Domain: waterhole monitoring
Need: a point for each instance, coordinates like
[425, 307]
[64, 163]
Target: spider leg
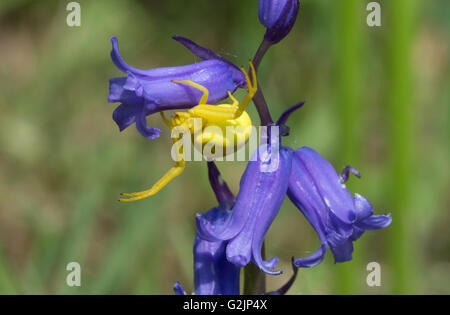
[213, 112]
[252, 88]
[205, 91]
[176, 170]
[235, 101]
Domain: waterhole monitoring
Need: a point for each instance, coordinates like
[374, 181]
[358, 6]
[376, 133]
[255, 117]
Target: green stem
[400, 108]
[254, 278]
[348, 84]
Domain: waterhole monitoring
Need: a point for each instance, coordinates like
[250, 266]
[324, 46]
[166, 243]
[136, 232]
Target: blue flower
[145, 92]
[213, 273]
[313, 186]
[321, 195]
[262, 191]
[278, 16]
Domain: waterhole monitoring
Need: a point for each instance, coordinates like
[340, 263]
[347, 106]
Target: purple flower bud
[145, 92]
[338, 217]
[278, 16]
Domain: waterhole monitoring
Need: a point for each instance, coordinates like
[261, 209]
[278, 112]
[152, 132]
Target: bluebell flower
[213, 273]
[207, 54]
[145, 92]
[321, 195]
[313, 186]
[278, 16]
[257, 204]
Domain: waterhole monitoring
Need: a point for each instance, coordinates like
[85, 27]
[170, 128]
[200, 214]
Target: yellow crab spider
[221, 116]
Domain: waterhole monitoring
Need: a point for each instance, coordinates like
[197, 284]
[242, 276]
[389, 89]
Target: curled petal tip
[272, 272]
[284, 117]
[347, 171]
[313, 260]
[178, 289]
[266, 266]
[285, 288]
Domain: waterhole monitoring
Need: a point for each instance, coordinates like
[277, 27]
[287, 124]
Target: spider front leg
[205, 91]
[252, 88]
[228, 111]
[176, 170]
[221, 112]
[224, 112]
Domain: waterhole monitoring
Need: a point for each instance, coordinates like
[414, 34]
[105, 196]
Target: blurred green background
[377, 98]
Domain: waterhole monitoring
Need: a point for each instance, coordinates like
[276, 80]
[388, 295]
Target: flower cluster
[231, 235]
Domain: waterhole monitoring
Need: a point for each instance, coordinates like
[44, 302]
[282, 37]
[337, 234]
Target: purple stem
[258, 99]
[219, 186]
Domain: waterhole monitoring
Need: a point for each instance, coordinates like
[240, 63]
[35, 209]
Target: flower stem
[219, 186]
[258, 99]
[254, 278]
[262, 49]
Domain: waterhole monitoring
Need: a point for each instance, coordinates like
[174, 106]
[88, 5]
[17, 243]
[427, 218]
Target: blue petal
[118, 93]
[213, 273]
[144, 129]
[357, 233]
[125, 115]
[304, 194]
[179, 289]
[312, 260]
[257, 204]
[335, 195]
[343, 252]
[206, 54]
[149, 74]
[363, 207]
[375, 222]
[239, 249]
[271, 198]
[343, 230]
[242, 209]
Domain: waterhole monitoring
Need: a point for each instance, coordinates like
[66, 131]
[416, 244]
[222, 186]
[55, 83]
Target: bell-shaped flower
[338, 217]
[213, 273]
[262, 190]
[145, 92]
[278, 16]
